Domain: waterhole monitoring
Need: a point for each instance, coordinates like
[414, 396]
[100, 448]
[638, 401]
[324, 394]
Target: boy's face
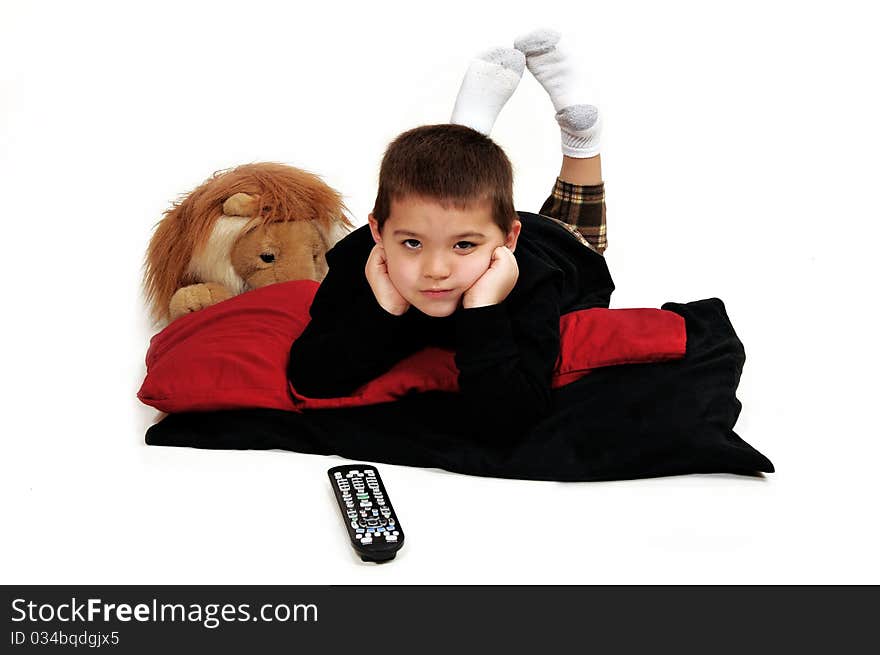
[435, 254]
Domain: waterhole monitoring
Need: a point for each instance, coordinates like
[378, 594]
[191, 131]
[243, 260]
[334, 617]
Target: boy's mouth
[436, 293]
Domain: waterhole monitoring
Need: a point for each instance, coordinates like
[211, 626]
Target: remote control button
[389, 537]
[366, 541]
[338, 474]
[359, 530]
[354, 524]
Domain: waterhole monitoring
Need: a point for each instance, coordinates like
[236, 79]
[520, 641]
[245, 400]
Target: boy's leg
[578, 201]
[583, 171]
[578, 197]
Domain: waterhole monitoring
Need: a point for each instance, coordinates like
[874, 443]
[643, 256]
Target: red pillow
[234, 355]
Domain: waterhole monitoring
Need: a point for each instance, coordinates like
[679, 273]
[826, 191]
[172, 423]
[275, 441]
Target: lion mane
[282, 193]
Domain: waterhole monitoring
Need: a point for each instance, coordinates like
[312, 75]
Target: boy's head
[445, 202]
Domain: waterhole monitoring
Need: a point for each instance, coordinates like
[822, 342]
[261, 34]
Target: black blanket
[619, 422]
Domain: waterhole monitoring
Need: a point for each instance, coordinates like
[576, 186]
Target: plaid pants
[580, 209]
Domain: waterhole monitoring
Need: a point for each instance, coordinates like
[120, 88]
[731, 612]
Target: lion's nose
[267, 257]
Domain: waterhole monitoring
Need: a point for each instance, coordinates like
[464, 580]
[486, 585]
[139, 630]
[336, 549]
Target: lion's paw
[195, 297]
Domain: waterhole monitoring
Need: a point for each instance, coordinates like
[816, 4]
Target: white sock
[548, 61]
[489, 82]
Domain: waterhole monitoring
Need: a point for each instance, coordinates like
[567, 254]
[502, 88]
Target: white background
[740, 157]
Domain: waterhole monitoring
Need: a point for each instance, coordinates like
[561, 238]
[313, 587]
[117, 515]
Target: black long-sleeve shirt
[505, 353]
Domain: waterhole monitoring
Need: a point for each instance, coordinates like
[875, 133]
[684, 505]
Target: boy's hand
[496, 283]
[386, 293]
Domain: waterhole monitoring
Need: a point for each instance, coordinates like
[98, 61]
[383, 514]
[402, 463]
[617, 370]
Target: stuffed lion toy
[243, 228]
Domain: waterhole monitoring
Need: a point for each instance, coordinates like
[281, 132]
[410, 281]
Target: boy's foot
[489, 82]
[580, 130]
[549, 62]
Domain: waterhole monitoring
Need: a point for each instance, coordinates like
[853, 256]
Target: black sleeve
[350, 339]
[506, 363]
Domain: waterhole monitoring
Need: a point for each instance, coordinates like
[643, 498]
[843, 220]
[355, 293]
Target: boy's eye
[465, 245]
[412, 244]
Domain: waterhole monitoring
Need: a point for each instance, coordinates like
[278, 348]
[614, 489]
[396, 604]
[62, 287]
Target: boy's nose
[436, 268]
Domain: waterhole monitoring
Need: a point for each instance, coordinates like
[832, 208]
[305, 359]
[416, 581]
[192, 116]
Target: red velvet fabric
[234, 355]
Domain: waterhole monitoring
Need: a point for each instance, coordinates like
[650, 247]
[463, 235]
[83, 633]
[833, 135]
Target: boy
[447, 261]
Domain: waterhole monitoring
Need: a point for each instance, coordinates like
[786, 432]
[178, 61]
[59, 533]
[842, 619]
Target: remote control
[372, 524]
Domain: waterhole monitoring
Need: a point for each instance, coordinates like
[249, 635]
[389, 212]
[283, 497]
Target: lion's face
[244, 228]
[280, 252]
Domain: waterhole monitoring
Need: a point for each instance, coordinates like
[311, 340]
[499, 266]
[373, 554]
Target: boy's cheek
[480, 268]
[399, 275]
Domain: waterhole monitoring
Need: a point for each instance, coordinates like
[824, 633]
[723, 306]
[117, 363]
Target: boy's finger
[501, 253]
[377, 256]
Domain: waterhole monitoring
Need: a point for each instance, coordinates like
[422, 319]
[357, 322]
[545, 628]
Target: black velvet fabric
[620, 422]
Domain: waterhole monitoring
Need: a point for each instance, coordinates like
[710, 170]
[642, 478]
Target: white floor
[740, 160]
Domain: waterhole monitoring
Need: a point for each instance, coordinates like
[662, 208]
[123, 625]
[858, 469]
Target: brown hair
[452, 164]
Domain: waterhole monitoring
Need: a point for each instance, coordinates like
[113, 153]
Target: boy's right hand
[386, 293]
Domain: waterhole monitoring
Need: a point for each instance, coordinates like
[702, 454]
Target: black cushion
[619, 422]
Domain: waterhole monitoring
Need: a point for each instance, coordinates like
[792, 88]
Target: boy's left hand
[496, 283]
